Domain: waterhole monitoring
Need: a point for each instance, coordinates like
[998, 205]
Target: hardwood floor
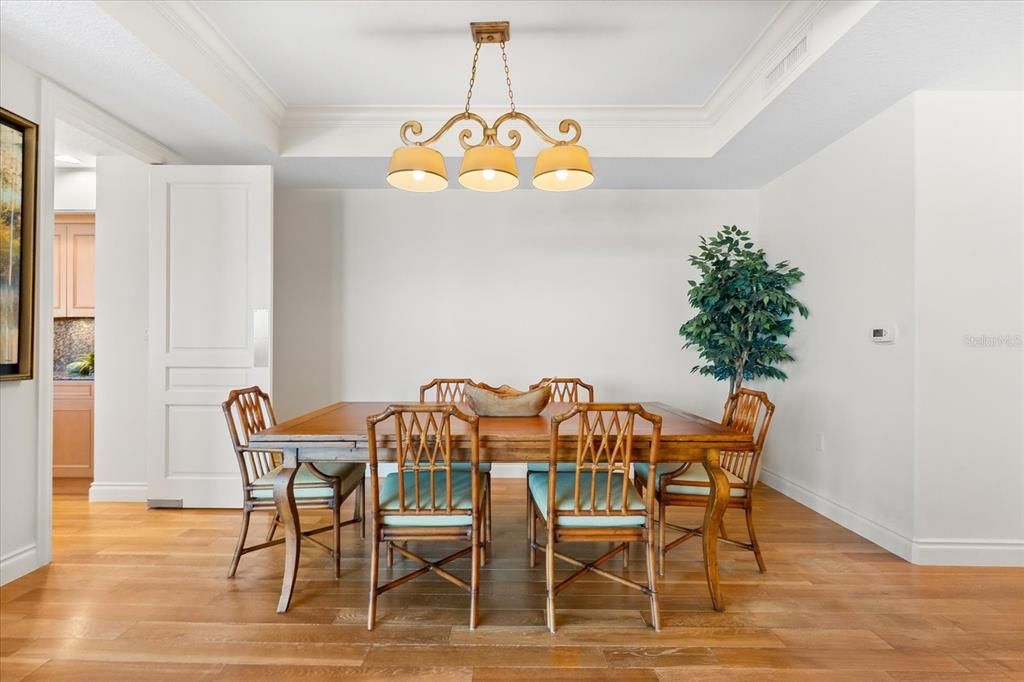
[141, 595]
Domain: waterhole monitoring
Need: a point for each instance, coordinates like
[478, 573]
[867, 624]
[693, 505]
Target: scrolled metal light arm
[489, 133]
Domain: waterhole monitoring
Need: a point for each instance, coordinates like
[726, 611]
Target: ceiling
[560, 53]
[670, 94]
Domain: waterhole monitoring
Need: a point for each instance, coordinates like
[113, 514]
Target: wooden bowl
[505, 401]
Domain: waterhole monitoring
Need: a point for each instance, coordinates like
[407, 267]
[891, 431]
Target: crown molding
[695, 131]
[595, 116]
[184, 36]
[179, 36]
[204, 34]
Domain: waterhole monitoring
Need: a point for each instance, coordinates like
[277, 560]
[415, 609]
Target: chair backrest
[248, 410]
[604, 445]
[423, 445]
[445, 391]
[749, 412]
[566, 389]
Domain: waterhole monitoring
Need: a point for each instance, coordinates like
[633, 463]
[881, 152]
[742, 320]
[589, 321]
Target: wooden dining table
[337, 433]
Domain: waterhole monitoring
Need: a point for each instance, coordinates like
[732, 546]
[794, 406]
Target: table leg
[718, 500]
[288, 512]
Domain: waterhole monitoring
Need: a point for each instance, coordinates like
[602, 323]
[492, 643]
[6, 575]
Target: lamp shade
[489, 169]
[417, 169]
[563, 168]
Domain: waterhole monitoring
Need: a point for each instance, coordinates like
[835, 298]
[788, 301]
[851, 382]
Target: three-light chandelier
[490, 165]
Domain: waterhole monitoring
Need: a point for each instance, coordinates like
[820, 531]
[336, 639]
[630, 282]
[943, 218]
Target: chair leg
[625, 556]
[662, 525]
[336, 513]
[652, 582]
[374, 572]
[529, 507]
[273, 526]
[489, 538]
[390, 555]
[484, 525]
[531, 531]
[474, 578]
[549, 574]
[753, 538]
[359, 510]
[241, 543]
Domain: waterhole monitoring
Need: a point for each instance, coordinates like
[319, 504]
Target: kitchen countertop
[65, 376]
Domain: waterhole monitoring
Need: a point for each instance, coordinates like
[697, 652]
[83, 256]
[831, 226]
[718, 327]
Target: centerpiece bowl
[505, 401]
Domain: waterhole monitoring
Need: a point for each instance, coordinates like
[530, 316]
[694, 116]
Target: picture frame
[19, 151]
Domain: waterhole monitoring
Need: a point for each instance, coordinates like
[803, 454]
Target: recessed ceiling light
[67, 158]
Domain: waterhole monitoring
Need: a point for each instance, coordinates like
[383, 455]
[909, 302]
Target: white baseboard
[118, 492]
[508, 470]
[18, 563]
[955, 552]
[884, 537]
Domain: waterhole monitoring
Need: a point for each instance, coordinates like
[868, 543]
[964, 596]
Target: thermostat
[884, 334]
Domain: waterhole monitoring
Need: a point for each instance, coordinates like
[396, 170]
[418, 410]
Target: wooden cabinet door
[81, 274]
[72, 429]
[60, 250]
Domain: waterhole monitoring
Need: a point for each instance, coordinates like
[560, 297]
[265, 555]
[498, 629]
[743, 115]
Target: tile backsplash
[72, 337]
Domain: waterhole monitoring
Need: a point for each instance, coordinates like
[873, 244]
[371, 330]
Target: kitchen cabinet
[74, 254]
[72, 429]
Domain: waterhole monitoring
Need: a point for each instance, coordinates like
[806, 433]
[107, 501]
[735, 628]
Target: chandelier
[490, 165]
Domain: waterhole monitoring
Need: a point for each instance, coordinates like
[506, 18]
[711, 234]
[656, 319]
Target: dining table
[337, 433]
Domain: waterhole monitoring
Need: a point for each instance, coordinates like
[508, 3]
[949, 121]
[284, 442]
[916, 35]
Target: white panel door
[210, 294]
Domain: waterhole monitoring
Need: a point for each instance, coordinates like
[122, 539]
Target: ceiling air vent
[785, 65]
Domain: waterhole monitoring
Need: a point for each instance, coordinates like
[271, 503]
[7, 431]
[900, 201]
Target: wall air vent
[785, 66]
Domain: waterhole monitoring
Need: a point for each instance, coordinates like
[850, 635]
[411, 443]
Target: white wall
[970, 307]
[122, 316]
[846, 217]
[915, 219]
[379, 291]
[74, 189]
[20, 544]
[305, 364]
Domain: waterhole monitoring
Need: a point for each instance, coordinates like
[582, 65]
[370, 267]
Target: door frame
[57, 103]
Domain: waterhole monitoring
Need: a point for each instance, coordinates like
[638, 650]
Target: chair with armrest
[325, 486]
[747, 411]
[426, 499]
[596, 501]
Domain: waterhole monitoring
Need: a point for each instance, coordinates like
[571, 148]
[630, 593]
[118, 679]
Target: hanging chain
[508, 78]
[472, 77]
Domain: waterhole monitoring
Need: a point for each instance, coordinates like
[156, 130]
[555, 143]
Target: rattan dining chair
[327, 486]
[566, 389]
[444, 391]
[596, 502]
[746, 411]
[426, 499]
[454, 391]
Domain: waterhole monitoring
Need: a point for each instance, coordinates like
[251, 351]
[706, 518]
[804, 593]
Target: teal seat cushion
[695, 473]
[307, 485]
[565, 483]
[542, 467]
[462, 494]
[485, 467]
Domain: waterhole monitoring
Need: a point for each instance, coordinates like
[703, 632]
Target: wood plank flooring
[135, 595]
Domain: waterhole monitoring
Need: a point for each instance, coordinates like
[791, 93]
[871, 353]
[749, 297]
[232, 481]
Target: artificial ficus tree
[744, 310]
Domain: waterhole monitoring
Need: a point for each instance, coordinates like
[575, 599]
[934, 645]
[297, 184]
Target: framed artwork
[18, 146]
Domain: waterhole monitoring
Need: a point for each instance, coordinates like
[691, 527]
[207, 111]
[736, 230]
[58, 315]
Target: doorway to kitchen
[74, 309]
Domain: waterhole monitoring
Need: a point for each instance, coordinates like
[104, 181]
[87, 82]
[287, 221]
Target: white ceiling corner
[191, 21]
